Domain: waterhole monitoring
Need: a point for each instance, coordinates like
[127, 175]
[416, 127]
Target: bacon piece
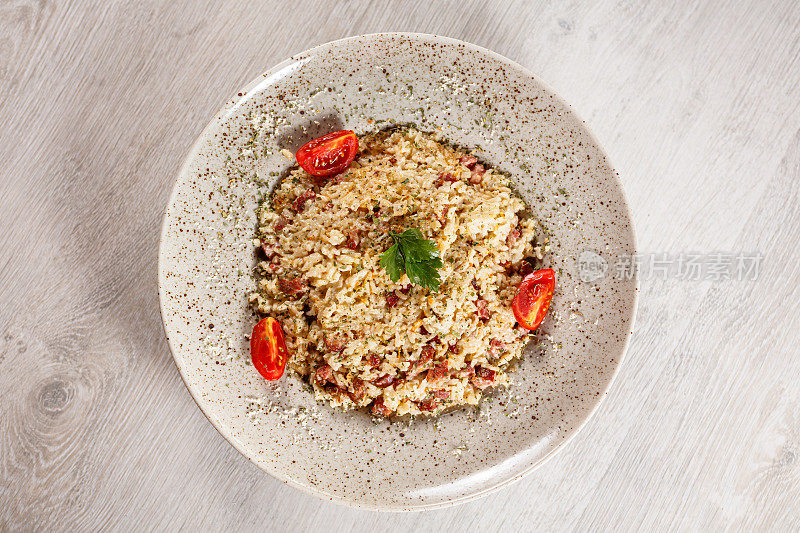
[429, 404]
[445, 177]
[423, 331]
[323, 374]
[507, 266]
[333, 390]
[292, 285]
[483, 309]
[378, 409]
[280, 223]
[468, 161]
[483, 378]
[438, 372]
[383, 381]
[525, 268]
[406, 289]
[421, 364]
[496, 347]
[485, 373]
[353, 239]
[374, 360]
[442, 394]
[453, 348]
[477, 174]
[359, 389]
[466, 372]
[393, 160]
[269, 250]
[513, 237]
[335, 343]
[391, 299]
[300, 201]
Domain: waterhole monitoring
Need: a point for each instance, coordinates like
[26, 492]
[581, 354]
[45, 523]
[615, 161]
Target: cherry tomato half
[329, 154]
[533, 299]
[268, 349]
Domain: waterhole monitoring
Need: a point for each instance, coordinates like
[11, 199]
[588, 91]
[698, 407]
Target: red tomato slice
[533, 299]
[268, 349]
[329, 154]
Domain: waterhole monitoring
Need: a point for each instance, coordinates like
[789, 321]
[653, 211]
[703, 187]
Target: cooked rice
[319, 276]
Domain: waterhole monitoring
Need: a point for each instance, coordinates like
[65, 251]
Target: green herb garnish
[415, 256]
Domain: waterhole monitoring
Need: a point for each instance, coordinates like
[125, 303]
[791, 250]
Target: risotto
[359, 338]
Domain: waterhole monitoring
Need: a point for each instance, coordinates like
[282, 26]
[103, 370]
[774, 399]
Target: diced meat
[353, 239]
[292, 285]
[323, 374]
[406, 289]
[423, 331]
[438, 372]
[483, 378]
[468, 161]
[507, 266]
[359, 389]
[428, 404]
[383, 381]
[513, 237]
[496, 347]
[477, 174]
[333, 390]
[418, 366]
[442, 394]
[483, 309]
[445, 177]
[391, 299]
[485, 373]
[268, 250]
[466, 372]
[525, 269]
[335, 343]
[300, 201]
[280, 223]
[378, 409]
[374, 360]
[453, 348]
[393, 160]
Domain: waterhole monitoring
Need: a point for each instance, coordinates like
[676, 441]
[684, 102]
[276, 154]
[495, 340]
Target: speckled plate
[478, 99]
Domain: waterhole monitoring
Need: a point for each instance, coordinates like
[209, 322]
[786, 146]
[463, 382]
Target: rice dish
[361, 340]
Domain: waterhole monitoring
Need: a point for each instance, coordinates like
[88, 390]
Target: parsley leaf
[423, 274]
[392, 261]
[414, 255]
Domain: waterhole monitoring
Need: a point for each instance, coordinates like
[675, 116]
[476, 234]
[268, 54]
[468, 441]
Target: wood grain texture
[698, 106]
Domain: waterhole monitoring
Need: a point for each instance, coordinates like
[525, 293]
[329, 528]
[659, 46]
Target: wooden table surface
[698, 106]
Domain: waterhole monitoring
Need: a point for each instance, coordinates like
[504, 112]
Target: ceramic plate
[477, 99]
